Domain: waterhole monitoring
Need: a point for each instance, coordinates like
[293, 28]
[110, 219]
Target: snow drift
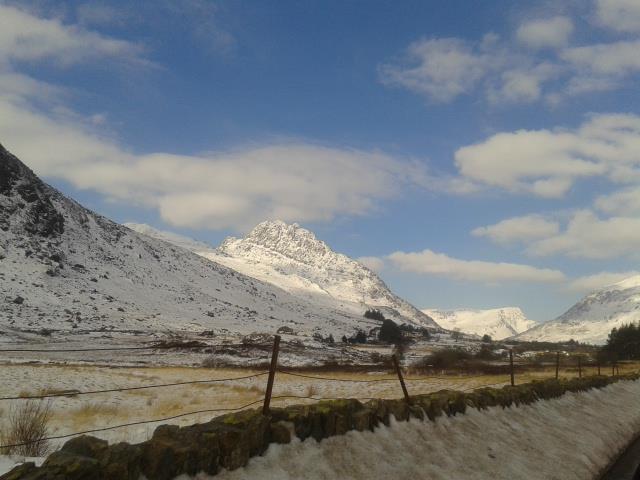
[572, 437]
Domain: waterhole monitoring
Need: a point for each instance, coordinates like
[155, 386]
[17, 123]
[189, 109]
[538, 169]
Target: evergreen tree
[390, 332]
[623, 343]
[374, 314]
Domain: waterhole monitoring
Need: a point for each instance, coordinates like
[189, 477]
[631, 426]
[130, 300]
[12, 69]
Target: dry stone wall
[229, 441]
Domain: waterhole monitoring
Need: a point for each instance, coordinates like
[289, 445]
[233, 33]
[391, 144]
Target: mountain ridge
[591, 319]
[498, 323]
[292, 258]
[67, 269]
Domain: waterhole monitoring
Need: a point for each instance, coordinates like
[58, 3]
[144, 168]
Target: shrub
[210, 361]
[28, 424]
[486, 338]
[359, 337]
[446, 358]
[329, 340]
[486, 353]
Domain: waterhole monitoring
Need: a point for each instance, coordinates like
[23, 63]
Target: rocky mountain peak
[291, 258]
[290, 240]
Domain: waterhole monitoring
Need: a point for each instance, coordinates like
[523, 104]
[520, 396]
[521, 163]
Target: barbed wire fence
[268, 396]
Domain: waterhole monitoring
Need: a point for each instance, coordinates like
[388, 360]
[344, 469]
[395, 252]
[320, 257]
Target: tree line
[623, 343]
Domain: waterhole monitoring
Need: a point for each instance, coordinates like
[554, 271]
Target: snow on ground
[78, 413]
[572, 437]
[7, 462]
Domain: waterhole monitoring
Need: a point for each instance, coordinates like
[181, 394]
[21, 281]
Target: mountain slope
[498, 323]
[63, 267]
[592, 318]
[293, 259]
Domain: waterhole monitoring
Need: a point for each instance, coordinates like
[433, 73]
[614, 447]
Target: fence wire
[174, 417]
[314, 398]
[119, 349]
[74, 393]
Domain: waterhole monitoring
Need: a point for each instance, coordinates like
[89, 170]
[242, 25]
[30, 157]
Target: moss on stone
[231, 440]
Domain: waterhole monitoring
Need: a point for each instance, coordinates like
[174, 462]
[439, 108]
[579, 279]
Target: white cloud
[518, 229]
[17, 87]
[581, 84]
[587, 236]
[524, 71]
[293, 181]
[625, 202]
[375, 264]
[523, 85]
[621, 15]
[431, 263]
[589, 283]
[617, 58]
[441, 69]
[27, 38]
[546, 33]
[547, 162]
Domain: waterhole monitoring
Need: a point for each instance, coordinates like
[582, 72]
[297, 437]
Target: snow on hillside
[572, 437]
[592, 318]
[65, 268]
[293, 259]
[498, 323]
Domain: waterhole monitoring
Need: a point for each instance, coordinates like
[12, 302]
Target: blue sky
[477, 156]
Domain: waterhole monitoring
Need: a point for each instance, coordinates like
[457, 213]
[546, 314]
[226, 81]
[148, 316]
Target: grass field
[84, 412]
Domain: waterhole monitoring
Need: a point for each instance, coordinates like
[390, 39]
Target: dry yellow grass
[311, 391]
[90, 413]
[78, 413]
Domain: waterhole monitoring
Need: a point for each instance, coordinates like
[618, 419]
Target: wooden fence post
[613, 368]
[579, 366]
[272, 374]
[511, 367]
[557, 364]
[399, 372]
[598, 363]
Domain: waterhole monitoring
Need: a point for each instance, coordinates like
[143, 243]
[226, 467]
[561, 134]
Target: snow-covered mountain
[592, 318]
[63, 267]
[293, 259]
[498, 323]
